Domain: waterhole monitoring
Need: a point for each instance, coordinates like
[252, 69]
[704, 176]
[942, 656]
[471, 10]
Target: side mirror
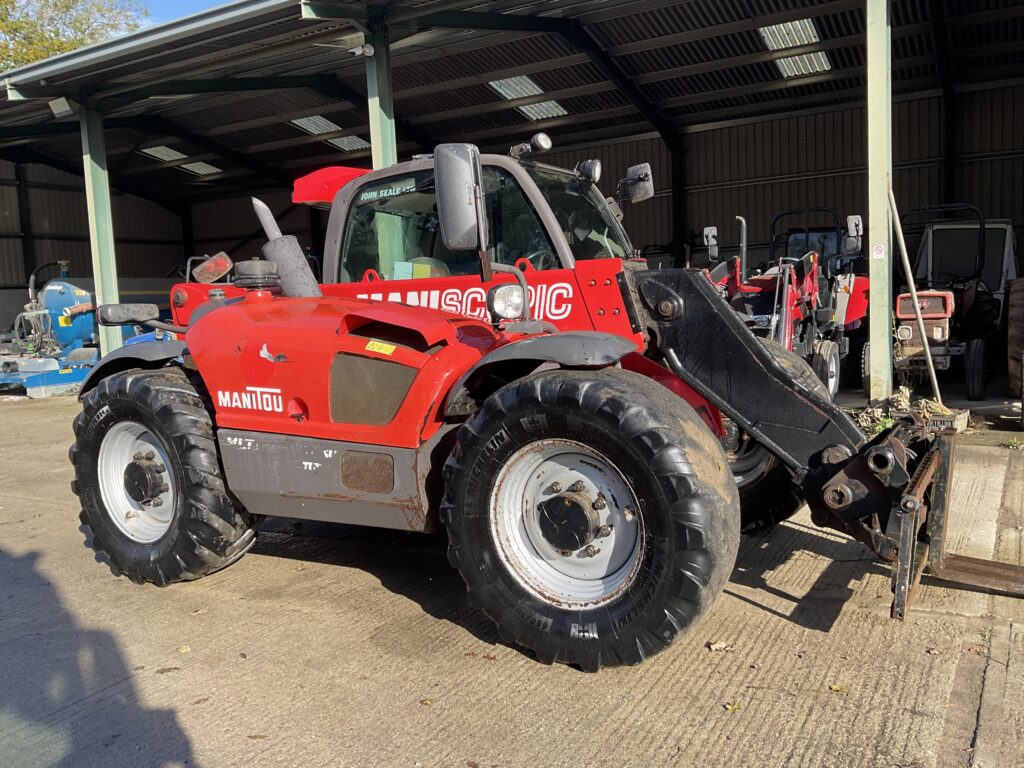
[640, 182]
[854, 233]
[711, 241]
[458, 180]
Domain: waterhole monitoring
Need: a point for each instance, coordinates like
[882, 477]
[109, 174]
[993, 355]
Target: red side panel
[857, 308]
[321, 186]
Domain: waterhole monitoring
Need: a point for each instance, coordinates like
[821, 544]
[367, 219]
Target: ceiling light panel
[200, 169]
[315, 124]
[163, 153]
[349, 143]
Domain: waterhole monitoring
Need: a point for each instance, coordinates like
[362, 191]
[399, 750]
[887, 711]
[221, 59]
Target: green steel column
[101, 223]
[879, 246]
[381, 104]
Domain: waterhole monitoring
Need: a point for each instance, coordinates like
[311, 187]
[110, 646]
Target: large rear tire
[1015, 336]
[148, 476]
[591, 514]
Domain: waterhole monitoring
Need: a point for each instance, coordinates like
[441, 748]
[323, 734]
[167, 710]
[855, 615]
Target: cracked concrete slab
[340, 646]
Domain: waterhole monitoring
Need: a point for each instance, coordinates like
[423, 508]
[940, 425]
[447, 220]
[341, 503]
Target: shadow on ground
[415, 566]
[67, 698]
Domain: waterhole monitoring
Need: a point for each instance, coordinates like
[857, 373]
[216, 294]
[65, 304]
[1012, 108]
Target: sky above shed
[168, 10]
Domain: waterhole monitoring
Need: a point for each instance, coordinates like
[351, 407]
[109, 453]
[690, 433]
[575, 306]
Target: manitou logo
[252, 399]
[547, 302]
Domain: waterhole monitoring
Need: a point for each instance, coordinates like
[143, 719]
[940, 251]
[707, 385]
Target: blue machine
[55, 340]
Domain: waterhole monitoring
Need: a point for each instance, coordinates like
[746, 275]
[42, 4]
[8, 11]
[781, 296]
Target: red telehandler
[577, 468]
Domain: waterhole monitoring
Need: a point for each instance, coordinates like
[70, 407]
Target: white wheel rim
[833, 371]
[585, 578]
[143, 523]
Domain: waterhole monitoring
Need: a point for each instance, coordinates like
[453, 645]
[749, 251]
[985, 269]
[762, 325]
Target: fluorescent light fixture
[520, 87]
[790, 34]
[807, 64]
[201, 169]
[164, 153]
[315, 124]
[543, 110]
[349, 143]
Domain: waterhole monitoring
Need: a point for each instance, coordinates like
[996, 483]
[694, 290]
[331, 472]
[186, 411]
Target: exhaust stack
[296, 277]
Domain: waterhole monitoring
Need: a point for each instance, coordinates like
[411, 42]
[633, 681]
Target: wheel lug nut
[164, 488]
[565, 552]
[604, 530]
[131, 514]
[600, 503]
[158, 502]
[577, 486]
[160, 468]
[137, 457]
[591, 550]
[556, 487]
[150, 455]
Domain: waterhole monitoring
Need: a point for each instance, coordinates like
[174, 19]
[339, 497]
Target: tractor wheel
[1015, 336]
[825, 364]
[148, 476]
[974, 369]
[768, 494]
[591, 514]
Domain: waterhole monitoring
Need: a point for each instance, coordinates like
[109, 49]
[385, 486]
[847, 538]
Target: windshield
[582, 214]
[955, 255]
[825, 242]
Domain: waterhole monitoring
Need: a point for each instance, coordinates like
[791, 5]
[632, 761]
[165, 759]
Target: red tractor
[807, 296]
[484, 355]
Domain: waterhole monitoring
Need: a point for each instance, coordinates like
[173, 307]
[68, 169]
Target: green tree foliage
[31, 30]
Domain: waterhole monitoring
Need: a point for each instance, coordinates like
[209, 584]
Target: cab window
[393, 228]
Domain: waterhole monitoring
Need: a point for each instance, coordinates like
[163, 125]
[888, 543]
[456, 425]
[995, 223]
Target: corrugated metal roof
[694, 60]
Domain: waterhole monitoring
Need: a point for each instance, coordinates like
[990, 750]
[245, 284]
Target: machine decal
[252, 399]
[380, 347]
[547, 302]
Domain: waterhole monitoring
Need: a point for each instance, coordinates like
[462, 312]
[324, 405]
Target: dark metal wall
[753, 168]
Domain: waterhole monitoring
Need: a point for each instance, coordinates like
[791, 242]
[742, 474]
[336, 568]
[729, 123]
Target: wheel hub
[568, 521]
[144, 478]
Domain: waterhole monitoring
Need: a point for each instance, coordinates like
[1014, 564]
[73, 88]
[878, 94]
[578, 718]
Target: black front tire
[825, 364]
[975, 369]
[207, 530]
[688, 508]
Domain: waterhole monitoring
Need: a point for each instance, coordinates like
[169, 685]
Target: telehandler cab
[523, 382]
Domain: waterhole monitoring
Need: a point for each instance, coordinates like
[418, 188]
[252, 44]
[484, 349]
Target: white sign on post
[878, 251]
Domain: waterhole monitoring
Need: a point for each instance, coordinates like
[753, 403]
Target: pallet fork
[920, 529]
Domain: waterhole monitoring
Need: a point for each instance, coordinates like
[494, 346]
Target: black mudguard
[573, 349]
[145, 354]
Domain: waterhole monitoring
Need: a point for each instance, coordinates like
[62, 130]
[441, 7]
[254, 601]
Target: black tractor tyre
[773, 497]
[204, 530]
[687, 514]
[825, 364]
[975, 370]
[1015, 337]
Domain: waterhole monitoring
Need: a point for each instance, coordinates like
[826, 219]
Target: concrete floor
[336, 646]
